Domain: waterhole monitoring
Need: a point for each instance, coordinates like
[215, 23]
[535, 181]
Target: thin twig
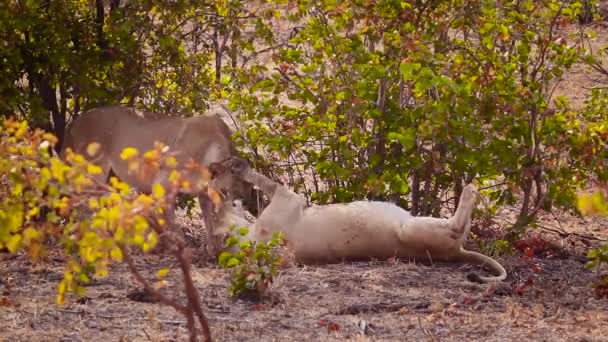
[148, 288]
[146, 333]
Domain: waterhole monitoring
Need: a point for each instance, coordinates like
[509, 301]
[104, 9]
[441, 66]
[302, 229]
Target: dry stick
[154, 292]
[185, 310]
[178, 248]
[191, 292]
[148, 336]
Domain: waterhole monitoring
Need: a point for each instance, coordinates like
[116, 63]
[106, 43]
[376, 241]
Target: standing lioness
[205, 139]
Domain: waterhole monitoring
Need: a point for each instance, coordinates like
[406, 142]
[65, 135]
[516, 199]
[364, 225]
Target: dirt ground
[543, 299]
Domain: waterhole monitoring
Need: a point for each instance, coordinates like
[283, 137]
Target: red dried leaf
[535, 268]
[333, 327]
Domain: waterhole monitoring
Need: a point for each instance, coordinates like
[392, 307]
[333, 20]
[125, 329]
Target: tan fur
[363, 229]
[205, 139]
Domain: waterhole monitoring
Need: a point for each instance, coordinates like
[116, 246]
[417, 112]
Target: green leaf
[223, 258]
[232, 262]
[232, 240]
[407, 70]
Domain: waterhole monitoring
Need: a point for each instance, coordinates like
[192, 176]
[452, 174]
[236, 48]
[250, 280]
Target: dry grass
[390, 300]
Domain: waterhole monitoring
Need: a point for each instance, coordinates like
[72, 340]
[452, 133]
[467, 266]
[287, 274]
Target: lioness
[364, 229]
[204, 139]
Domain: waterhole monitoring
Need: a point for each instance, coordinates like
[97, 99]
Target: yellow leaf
[61, 292]
[93, 148]
[585, 204]
[21, 130]
[151, 155]
[160, 284]
[140, 224]
[116, 254]
[186, 185]
[77, 159]
[119, 235]
[89, 239]
[152, 239]
[120, 186]
[13, 243]
[87, 253]
[50, 138]
[18, 189]
[58, 170]
[93, 169]
[74, 268]
[158, 190]
[162, 272]
[138, 240]
[82, 277]
[174, 176]
[171, 162]
[128, 153]
[33, 212]
[30, 234]
[93, 203]
[45, 173]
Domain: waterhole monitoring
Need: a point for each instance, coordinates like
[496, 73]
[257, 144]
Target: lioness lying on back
[363, 229]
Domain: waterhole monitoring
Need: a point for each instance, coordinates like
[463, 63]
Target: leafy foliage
[96, 223]
[66, 56]
[253, 265]
[409, 100]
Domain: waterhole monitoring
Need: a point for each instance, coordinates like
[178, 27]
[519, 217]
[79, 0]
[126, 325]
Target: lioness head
[226, 176]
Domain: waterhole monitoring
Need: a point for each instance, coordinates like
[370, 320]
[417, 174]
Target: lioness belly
[351, 231]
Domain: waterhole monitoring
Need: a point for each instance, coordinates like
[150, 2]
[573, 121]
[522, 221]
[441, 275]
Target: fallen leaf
[333, 327]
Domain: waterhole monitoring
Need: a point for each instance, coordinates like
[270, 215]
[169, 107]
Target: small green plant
[497, 248]
[253, 265]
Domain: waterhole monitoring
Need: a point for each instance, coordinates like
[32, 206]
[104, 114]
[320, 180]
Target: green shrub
[409, 100]
[253, 265]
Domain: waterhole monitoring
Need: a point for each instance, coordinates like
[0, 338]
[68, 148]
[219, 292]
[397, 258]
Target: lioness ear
[234, 165]
[238, 165]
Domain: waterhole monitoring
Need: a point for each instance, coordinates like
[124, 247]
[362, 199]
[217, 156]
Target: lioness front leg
[213, 242]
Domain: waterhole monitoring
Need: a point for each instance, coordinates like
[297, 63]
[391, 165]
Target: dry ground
[364, 301]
